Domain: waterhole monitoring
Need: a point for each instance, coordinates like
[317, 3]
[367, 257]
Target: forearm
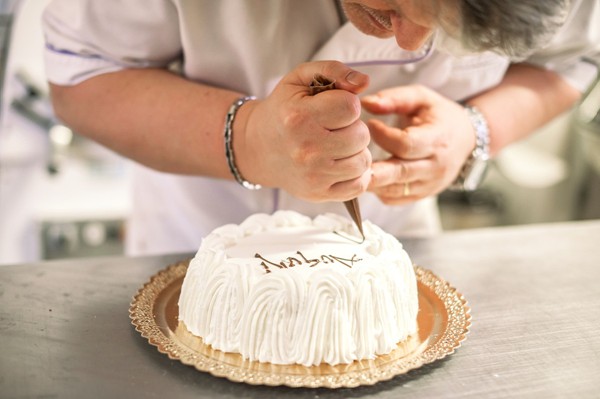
[151, 116]
[526, 99]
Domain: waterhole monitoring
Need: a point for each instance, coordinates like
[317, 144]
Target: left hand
[427, 153]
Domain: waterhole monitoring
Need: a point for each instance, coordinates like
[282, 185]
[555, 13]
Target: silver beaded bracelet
[228, 133]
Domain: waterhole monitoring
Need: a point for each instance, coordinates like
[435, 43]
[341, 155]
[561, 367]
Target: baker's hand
[428, 150]
[314, 147]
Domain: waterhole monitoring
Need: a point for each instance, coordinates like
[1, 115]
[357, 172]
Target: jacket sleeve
[85, 38]
[570, 50]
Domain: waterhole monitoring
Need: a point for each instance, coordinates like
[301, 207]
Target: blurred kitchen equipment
[7, 11]
[587, 125]
[73, 239]
[80, 207]
[551, 176]
[589, 132]
[34, 105]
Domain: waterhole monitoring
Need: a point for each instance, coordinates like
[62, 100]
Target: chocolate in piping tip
[320, 83]
[354, 210]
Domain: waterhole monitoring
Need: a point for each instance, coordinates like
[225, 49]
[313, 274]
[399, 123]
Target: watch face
[475, 174]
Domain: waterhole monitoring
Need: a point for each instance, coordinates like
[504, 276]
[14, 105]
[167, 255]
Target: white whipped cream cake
[288, 289]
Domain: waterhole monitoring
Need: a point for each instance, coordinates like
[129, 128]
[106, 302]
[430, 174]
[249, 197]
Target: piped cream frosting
[285, 289]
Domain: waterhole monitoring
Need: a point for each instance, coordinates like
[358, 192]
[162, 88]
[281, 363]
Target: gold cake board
[443, 322]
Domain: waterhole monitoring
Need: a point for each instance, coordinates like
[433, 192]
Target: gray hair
[514, 28]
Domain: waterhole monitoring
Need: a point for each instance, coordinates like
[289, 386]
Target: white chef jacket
[248, 46]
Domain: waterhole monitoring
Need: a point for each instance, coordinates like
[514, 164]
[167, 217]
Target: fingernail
[371, 99]
[354, 78]
[381, 101]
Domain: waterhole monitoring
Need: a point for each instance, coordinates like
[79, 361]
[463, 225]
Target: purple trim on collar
[68, 52]
[420, 58]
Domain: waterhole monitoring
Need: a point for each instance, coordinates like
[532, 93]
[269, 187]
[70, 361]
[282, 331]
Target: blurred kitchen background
[64, 196]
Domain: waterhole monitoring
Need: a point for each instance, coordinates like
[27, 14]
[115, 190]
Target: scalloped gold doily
[443, 323]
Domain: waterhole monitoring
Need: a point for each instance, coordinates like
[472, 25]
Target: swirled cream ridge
[285, 289]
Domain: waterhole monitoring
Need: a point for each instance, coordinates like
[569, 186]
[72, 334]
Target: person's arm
[527, 98]
[315, 147]
[108, 68]
[429, 153]
[152, 116]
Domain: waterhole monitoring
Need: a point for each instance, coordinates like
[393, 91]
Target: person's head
[511, 27]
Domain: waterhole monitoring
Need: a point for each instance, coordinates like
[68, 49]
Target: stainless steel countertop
[534, 292]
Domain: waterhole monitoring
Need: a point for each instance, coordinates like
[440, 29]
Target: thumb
[344, 77]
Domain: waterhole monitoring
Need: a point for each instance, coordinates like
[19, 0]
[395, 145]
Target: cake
[288, 289]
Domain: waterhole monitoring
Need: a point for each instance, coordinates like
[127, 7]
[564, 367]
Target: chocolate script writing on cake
[302, 260]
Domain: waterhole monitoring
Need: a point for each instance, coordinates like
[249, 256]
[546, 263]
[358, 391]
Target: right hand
[314, 147]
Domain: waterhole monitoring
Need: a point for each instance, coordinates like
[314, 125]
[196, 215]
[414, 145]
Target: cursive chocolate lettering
[313, 262]
[290, 261]
[347, 262]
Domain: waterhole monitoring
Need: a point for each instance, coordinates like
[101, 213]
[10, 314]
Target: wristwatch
[473, 171]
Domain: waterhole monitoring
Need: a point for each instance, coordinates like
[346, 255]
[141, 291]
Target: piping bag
[321, 83]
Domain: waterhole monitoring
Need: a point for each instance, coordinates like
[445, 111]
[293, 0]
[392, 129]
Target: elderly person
[202, 93]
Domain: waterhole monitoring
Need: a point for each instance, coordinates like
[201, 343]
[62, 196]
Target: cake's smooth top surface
[304, 246]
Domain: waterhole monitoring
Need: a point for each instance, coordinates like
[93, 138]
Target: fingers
[324, 149]
[400, 100]
[341, 179]
[413, 142]
[400, 194]
[332, 109]
[427, 150]
[314, 146]
[348, 189]
[346, 142]
[397, 181]
[421, 138]
[398, 171]
[353, 167]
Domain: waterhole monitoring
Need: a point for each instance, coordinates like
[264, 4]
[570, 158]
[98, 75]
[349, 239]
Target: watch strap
[474, 168]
